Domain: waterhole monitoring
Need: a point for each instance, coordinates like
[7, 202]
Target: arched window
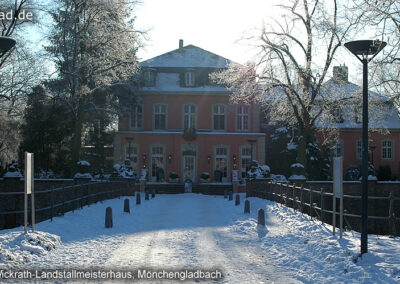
[221, 160]
[157, 160]
[132, 154]
[245, 160]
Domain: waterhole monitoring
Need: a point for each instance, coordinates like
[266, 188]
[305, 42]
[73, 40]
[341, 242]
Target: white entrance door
[189, 167]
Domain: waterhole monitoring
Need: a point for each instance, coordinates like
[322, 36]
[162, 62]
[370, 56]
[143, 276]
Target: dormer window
[358, 114]
[189, 78]
[150, 77]
[337, 115]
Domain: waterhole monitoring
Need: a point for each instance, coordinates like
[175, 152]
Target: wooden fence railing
[57, 201]
[319, 203]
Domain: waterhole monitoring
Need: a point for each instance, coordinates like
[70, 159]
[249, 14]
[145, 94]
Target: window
[245, 160]
[189, 78]
[337, 115]
[160, 116]
[137, 117]
[242, 118]
[337, 148]
[157, 163]
[189, 116]
[131, 154]
[218, 117]
[150, 77]
[358, 114]
[358, 149]
[387, 149]
[221, 161]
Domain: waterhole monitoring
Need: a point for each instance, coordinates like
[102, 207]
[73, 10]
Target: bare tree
[382, 17]
[297, 50]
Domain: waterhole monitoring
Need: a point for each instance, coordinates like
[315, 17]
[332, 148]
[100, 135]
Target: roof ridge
[203, 58]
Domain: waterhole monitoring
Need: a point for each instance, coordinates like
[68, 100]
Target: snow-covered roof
[380, 117]
[189, 56]
[332, 89]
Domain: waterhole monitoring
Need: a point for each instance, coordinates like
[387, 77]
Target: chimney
[180, 43]
[341, 74]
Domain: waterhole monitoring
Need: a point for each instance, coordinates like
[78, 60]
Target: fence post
[52, 203]
[280, 193]
[294, 202]
[63, 200]
[286, 195]
[301, 199]
[88, 195]
[392, 217]
[311, 201]
[322, 204]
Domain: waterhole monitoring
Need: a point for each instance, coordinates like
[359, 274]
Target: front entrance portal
[189, 167]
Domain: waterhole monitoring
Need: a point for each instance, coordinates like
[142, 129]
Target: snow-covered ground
[193, 231]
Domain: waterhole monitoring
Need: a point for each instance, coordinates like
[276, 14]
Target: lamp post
[365, 51]
[6, 43]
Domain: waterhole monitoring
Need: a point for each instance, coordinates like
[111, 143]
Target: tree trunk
[76, 143]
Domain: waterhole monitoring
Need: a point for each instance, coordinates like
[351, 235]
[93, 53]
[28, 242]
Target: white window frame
[359, 149]
[358, 114]
[225, 174]
[190, 78]
[337, 114]
[134, 154]
[243, 118]
[385, 148]
[334, 147]
[150, 77]
[219, 113]
[155, 113]
[136, 117]
[191, 116]
[243, 157]
[157, 155]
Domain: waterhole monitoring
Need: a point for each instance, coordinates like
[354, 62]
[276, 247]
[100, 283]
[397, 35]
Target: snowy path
[194, 231]
[198, 239]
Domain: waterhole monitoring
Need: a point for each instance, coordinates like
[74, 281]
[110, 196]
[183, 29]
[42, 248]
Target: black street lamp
[365, 51]
[6, 43]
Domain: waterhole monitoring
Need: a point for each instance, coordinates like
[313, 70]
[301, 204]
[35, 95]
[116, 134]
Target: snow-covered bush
[297, 170]
[173, 177]
[43, 174]
[257, 171]
[352, 173]
[205, 177]
[83, 170]
[13, 171]
[278, 178]
[122, 170]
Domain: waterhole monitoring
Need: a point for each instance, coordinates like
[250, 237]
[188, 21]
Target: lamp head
[365, 48]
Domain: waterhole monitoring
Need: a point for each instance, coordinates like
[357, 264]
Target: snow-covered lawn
[193, 231]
